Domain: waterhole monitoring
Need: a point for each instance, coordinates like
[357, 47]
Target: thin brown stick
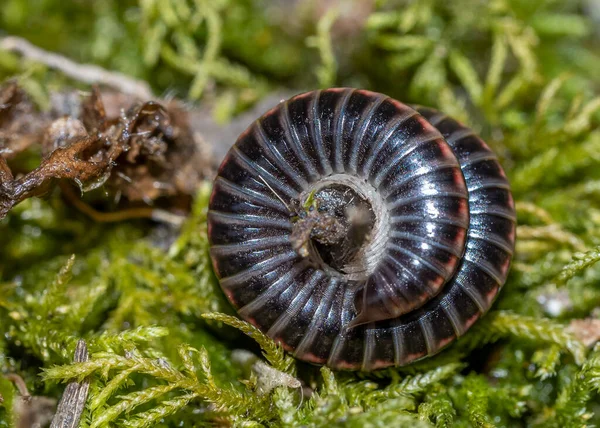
[87, 73]
[30, 411]
[20, 384]
[71, 405]
[123, 215]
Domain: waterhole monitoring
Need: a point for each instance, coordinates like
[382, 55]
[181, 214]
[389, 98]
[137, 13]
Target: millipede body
[360, 232]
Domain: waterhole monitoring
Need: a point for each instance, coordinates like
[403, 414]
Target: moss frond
[417, 384]
[438, 408]
[503, 323]
[272, 351]
[170, 389]
[7, 394]
[326, 73]
[572, 403]
[547, 361]
[477, 401]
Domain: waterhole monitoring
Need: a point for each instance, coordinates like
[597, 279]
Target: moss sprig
[572, 403]
[273, 352]
[171, 389]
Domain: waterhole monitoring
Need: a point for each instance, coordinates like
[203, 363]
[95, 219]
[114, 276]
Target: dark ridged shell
[447, 254]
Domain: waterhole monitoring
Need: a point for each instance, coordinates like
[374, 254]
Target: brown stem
[71, 405]
[123, 215]
[86, 73]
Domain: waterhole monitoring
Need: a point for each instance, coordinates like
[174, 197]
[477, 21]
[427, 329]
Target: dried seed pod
[360, 232]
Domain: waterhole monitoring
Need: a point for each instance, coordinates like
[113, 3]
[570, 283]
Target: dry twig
[71, 405]
[86, 73]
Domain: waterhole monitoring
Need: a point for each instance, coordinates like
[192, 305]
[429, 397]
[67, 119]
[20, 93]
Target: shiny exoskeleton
[434, 253]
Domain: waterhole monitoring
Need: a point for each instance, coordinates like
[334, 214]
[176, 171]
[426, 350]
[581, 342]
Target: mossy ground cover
[525, 74]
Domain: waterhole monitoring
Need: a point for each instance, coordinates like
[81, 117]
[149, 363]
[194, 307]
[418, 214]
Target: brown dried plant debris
[30, 411]
[71, 405]
[17, 129]
[146, 154]
[587, 330]
[87, 73]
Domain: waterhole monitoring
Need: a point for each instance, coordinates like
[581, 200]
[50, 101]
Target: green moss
[524, 74]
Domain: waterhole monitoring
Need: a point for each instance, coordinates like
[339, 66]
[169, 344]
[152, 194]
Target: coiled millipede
[359, 232]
